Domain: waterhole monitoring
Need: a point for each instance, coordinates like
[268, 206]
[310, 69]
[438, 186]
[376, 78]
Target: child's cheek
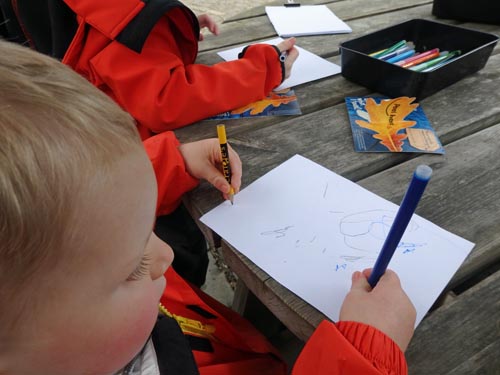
[136, 328]
[132, 327]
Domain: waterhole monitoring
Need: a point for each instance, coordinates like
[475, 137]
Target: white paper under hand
[308, 66]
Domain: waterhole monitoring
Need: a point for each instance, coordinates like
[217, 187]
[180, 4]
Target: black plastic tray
[393, 80]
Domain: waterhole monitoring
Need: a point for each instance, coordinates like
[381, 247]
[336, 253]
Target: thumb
[290, 42]
[360, 282]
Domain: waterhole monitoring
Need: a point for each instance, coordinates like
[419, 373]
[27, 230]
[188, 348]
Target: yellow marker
[224, 150]
[378, 52]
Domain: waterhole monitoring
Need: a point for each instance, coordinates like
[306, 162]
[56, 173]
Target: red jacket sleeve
[172, 178]
[163, 92]
[350, 348]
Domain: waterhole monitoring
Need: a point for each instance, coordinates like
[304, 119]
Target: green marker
[396, 46]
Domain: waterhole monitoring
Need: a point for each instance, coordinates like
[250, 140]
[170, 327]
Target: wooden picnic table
[461, 334]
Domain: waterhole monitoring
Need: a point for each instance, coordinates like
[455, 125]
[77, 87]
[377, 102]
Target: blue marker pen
[401, 56]
[283, 56]
[394, 53]
[419, 181]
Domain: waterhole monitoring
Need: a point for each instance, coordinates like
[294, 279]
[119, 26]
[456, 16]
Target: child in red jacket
[142, 54]
[81, 272]
[156, 79]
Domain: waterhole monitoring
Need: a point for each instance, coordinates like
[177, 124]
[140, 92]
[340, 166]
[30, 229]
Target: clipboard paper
[305, 20]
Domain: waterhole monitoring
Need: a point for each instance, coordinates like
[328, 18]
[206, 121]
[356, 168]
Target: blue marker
[283, 56]
[401, 56]
[395, 53]
[419, 181]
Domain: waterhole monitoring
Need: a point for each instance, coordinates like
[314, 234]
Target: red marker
[419, 58]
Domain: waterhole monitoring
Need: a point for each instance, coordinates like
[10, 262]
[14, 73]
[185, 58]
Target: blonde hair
[57, 132]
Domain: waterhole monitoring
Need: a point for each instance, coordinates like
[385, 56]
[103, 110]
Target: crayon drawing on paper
[310, 229]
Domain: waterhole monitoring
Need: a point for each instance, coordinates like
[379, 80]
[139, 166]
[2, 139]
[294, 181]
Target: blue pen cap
[423, 172]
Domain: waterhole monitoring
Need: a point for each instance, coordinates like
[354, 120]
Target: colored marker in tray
[404, 54]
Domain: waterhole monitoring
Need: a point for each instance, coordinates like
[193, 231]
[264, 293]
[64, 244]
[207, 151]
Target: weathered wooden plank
[260, 10]
[473, 164]
[361, 16]
[312, 97]
[485, 362]
[328, 45]
[459, 336]
[273, 146]
[263, 146]
[325, 136]
[468, 170]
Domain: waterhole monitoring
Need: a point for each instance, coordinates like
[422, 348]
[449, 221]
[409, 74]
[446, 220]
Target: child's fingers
[236, 169]
[293, 54]
[214, 29]
[286, 45]
[216, 178]
[206, 21]
[360, 282]
[390, 278]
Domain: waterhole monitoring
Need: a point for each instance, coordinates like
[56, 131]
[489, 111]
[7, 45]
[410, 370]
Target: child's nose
[162, 257]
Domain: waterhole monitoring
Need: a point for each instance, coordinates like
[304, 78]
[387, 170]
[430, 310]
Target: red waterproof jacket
[171, 175]
[142, 54]
[226, 344]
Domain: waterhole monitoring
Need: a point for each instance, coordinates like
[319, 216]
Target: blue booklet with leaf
[277, 103]
[381, 124]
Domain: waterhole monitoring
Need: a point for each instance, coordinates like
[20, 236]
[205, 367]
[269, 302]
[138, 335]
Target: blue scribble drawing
[351, 258]
[362, 232]
[366, 231]
[277, 233]
[409, 247]
[340, 266]
[325, 191]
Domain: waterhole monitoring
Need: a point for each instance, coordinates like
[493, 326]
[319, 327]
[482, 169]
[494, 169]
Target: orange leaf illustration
[387, 119]
[258, 107]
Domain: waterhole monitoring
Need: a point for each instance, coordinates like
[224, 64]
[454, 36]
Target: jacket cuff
[273, 65]
[375, 346]
[349, 348]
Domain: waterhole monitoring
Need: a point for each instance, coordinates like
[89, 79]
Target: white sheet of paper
[310, 229]
[305, 20]
[308, 66]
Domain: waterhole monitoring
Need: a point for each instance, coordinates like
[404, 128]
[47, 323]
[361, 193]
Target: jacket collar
[109, 20]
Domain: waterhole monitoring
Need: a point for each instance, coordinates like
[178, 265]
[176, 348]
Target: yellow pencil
[226, 167]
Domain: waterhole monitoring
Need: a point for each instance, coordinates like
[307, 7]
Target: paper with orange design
[382, 124]
[277, 103]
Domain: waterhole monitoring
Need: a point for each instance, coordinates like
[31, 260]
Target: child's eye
[141, 270]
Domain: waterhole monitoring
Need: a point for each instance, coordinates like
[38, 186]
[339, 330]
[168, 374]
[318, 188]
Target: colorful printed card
[277, 103]
[381, 124]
